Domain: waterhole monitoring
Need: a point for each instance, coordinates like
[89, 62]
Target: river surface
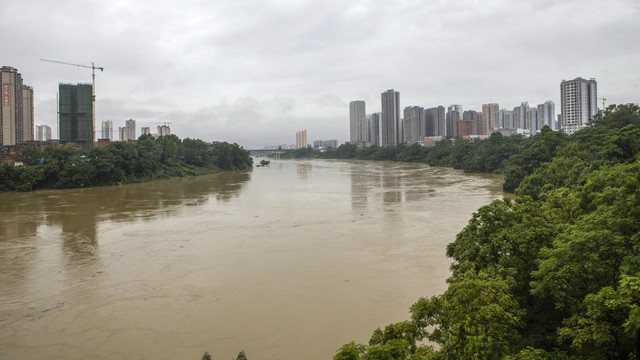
[287, 262]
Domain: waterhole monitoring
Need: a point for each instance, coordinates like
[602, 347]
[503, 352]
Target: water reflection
[302, 169]
[77, 213]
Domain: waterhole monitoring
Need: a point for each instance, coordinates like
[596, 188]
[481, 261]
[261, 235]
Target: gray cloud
[255, 72]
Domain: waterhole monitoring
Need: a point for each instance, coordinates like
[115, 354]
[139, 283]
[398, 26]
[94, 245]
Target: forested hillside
[553, 274]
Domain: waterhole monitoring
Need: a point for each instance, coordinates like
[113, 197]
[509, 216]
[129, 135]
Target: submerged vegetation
[553, 274]
[148, 158]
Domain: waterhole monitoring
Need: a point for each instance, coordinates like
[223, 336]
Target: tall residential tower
[390, 124]
[357, 121]
[16, 108]
[578, 102]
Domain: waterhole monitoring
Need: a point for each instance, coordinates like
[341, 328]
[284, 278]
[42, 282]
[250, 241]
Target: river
[286, 262]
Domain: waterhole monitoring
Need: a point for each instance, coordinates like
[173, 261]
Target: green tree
[241, 356]
[31, 155]
[475, 318]
[350, 351]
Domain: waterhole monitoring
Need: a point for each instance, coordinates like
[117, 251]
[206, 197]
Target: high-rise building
[578, 102]
[473, 125]
[145, 130]
[391, 126]
[435, 121]
[130, 130]
[325, 144]
[374, 128]
[27, 113]
[16, 108]
[454, 113]
[357, 121]
[43, 132]
[414, 124]
[107, 130]
[488, 123]
[547, 115]
[164, 130]
[504, 119]
[122, 132]
[520, 116]
[301, 139]
[75, 114]
[532, 120]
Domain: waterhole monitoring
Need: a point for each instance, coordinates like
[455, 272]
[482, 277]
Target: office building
[578, 103]
[107, 130]
[435, 121]
[357, 121]
[390, 124]
[16, 108]
[488, 123]
[43, 132]
[75, 114]
[301, 139]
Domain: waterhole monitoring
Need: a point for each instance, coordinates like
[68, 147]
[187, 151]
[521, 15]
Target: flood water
[285, 262]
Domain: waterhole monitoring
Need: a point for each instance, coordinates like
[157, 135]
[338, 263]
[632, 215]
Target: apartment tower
[16, 108]
[578, 102]
[357, 121]
[390, 124]
[488, 123]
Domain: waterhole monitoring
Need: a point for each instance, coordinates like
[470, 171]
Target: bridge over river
[267, 153]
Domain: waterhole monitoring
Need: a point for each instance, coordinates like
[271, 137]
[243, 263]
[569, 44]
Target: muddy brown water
[285, 262]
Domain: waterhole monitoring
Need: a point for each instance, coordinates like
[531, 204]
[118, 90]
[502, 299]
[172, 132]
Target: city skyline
[252, 72]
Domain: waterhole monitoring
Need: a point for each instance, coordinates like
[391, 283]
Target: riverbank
[68, 166]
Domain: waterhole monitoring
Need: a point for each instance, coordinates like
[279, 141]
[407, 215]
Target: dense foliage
[68, 166]
[553, 274]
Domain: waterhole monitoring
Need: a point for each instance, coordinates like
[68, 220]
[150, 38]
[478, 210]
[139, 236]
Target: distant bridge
[267, 153]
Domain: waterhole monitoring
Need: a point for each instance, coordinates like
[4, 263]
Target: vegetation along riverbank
[148, 158]
[553, 274]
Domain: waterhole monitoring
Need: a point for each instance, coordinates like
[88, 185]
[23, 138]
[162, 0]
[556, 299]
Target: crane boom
[93, 68]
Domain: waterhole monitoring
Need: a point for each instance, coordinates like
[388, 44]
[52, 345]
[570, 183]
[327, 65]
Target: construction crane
[93, 68]
[603, 100]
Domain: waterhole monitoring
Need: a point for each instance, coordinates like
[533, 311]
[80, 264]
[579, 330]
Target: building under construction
[75, 114]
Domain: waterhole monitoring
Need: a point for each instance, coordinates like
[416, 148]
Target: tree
[31, 155]
[206, 356]
[241, 356]
[476, 317]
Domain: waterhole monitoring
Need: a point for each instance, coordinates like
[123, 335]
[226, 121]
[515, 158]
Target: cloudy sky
[256, 71]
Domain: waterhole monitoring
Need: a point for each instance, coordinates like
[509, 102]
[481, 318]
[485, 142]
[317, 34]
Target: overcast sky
[256, 71]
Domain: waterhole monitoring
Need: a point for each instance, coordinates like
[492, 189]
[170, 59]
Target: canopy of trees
[554, 274]
[68, 166]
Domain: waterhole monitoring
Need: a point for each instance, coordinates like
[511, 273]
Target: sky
[254, 72]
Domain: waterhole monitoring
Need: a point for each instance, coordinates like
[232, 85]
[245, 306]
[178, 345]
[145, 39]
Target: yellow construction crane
[93, 68]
